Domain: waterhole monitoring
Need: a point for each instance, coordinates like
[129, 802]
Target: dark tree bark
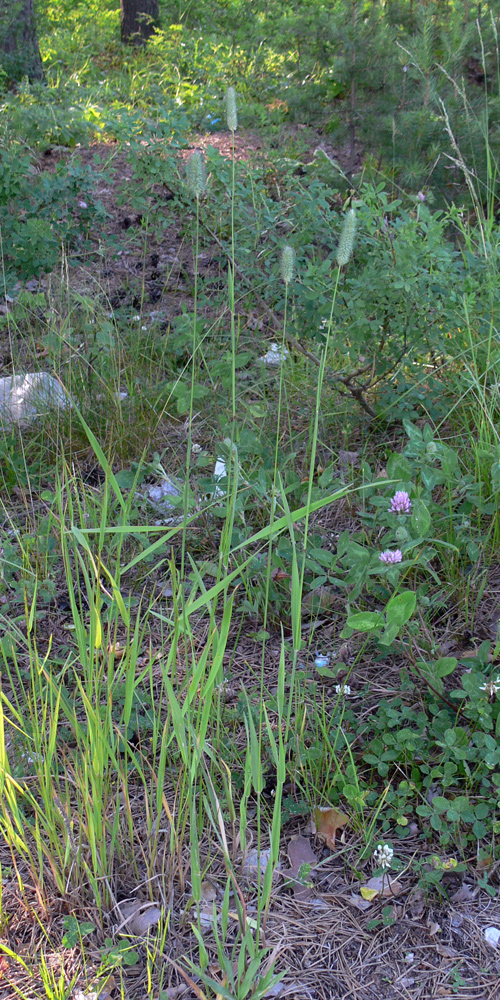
[19, 51]
[138, 19]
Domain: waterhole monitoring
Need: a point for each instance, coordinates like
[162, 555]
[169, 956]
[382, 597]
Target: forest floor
[408, 942]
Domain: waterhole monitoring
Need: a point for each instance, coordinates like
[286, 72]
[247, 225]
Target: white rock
[24, 398]
[492, 936]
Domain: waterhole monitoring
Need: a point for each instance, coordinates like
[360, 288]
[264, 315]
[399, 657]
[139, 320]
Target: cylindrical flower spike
[346, 242]
[287, 264]
[231, 110]
[195, 174]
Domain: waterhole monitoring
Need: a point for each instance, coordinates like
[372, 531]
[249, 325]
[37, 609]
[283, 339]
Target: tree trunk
[138, 18]
[19, 51]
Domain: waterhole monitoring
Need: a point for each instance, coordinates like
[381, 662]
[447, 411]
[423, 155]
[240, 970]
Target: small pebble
[492, 936]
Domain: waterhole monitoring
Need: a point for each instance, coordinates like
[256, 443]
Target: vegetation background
[249, 478]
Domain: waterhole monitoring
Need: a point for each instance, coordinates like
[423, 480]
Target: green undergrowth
[395, 78]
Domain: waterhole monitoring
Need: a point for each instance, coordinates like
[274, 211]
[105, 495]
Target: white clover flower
[491, 687]
[342, 689]
[383, 855]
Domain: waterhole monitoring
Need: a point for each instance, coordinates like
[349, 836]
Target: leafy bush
[40, 212]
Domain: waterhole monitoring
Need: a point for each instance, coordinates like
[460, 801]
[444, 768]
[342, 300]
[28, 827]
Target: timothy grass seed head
[287, 264]
[195, 174]
[231, 109]
[346, 242]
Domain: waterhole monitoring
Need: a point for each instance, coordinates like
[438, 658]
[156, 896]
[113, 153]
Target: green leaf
[401, 607]
[445, 666]
[439, 803]
[126, 479]
[429, 477]
[8, 646]
[366, 621]
[75, 930]
[257, 410]
[398, 467]
[389, 635]
[414, 433]
[421, 519]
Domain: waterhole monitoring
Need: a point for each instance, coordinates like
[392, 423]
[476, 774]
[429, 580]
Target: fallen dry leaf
[321, 598]
[103, 989]
[464, 894]
[470, 654]
[484, 863]
[116, 649]
[380, 886]
[344, 653]
[433, 927]
[445, 951]
[206, 908]
[348, 458]
[208, 891]
[174, 992]
[417, 904]
[300, 853]
[138, 916]
[326, 821]
[359, 902]
[279, 574]
[255, 862]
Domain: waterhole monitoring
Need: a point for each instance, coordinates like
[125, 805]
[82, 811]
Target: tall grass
[117, 773]
[71, 778]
